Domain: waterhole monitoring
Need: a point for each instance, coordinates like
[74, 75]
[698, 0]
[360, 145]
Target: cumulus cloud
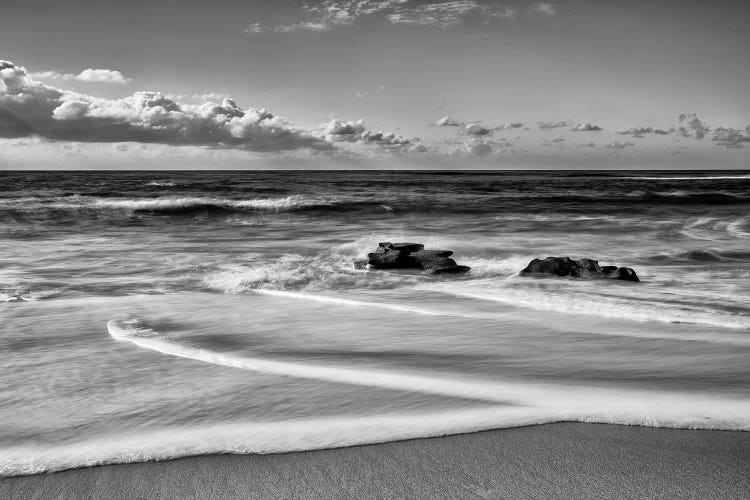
[556, 142]
[29, 107]
[731, 137]
[545, 8]
[447, 121]
[642, 131]
[87, 75]
[209, 96]
[510, 126]
[331, 14]
[559, 124]
[356, 131]
[475, 147]
[476, 129]
[586, 127]
[691, 126]
[618, 145]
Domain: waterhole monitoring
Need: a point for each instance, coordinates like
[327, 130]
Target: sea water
[152, 315]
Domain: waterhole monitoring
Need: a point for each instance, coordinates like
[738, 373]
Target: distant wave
[737, 228]
[706, 228]
[690, 178]
[174, 205]
[702, 256]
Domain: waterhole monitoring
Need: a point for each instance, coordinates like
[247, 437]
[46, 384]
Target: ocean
[153, 315]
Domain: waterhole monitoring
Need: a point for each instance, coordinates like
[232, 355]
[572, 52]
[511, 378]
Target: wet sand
[565, 460]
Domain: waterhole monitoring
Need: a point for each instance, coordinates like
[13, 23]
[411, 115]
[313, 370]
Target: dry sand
[566, 460]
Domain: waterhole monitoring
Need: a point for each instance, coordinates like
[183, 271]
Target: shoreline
[558, 460]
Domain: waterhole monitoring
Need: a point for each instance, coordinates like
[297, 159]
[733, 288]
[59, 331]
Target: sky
[375, 83]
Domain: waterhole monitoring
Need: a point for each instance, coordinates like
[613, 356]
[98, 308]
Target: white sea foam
[593, 404]
[577, 302]
[689, 178]
[701, 228]
[356, 303]
[512, 404]
[258, 438]
[167, 203]
[508, 266]
[736, 228]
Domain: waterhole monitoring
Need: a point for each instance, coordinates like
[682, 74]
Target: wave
[358, 303]
[510, 404]
[690, 178]
[173, 205]
[701, 256]
[176, 206]
[737, 227]
[292, 271]
[706, 228]
[162, 183]
[621, 307]
[489, 267]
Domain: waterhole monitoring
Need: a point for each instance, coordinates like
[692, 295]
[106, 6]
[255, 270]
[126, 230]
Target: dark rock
[433, 259]
[452, 270]
[414, 256]
[581, 268]
[404, 247]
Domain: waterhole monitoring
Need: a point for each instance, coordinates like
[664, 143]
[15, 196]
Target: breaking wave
[175, 205]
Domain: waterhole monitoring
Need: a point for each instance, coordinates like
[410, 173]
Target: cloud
[447, 121]
[642, 131]
[618, 145]
[692, 126]
[731, 137]
[210, 96]
[510, 126]
[476, 129]
[586, 127]
[556, 142]
[356, 131]
[545, 8]
[559, 124]
[331, 14]
[102, 76]
[29, 107]
[474, 147]
[87, 75]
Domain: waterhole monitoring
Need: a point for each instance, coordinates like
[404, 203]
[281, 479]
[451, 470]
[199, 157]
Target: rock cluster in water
[581, 268]
[414, 256]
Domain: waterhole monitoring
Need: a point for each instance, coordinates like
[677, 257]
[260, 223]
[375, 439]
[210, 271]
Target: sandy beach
[566, 460]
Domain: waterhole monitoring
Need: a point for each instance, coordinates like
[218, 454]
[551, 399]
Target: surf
[585, 404]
